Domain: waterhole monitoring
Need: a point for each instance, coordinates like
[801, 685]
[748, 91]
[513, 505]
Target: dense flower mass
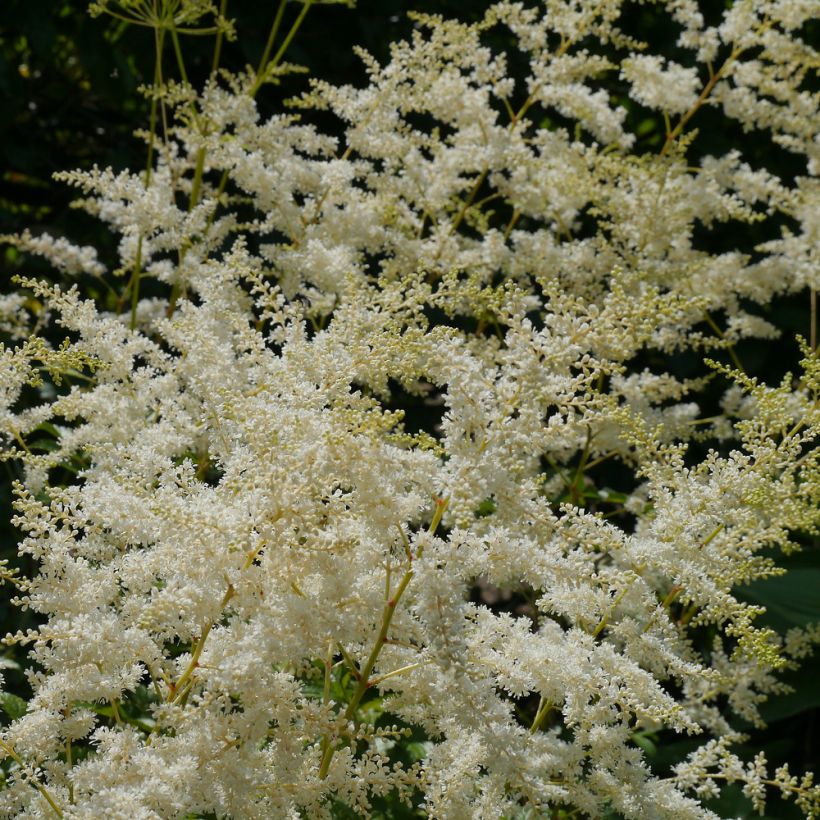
[342, 396]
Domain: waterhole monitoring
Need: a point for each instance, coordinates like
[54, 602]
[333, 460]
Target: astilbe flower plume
[260, 582]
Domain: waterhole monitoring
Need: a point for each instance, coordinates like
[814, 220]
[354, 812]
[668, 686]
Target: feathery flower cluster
[263, 583]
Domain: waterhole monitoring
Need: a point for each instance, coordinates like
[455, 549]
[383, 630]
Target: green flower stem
[196, 185]
[277, 22]
[712, 535]
[328, 663]
[178, 689]
[544, 708]
[264, 65]
[469, 201]
[441, 508]
[134, 284]
[574, 490]
[602, 624]
[183, 73]
[364, 674]
[350, 662]
[260, 75]
[563, 48]
[220, 36]
[159, 42]
[10, 752]
[401, 670]
[730, 348]
[714, 78]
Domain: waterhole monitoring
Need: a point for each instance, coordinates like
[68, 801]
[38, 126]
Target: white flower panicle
[388, 373]
[673, 89]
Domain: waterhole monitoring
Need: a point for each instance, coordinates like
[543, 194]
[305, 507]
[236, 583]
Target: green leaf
[791, 600]
[417, 750]
[45, 444]
[806, 694]
[646, 742]
[13, 706]
[485, 508]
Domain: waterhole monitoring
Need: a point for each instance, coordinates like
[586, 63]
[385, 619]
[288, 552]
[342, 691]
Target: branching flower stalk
[362, 675]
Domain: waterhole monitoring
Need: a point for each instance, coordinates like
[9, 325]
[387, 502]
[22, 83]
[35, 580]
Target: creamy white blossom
[263, 576]
[656, 84]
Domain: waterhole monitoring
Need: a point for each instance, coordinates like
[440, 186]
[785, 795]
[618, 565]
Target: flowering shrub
[269, 586]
